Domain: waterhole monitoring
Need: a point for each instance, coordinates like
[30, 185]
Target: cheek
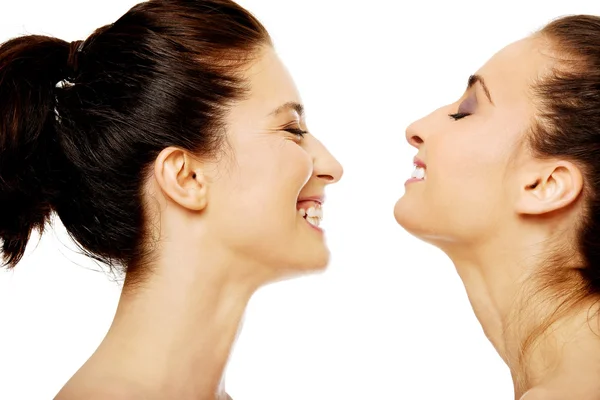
[301, 166]
[285, 169]
[255, 214]
[464, 190]
[264, 181]
[468, 168]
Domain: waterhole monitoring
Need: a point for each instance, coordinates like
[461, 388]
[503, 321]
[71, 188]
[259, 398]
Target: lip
[316, 199]
[412, 180]
[316, 228]
[419, 163]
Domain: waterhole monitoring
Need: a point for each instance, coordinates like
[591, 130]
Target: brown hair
[568, 126]
[162, 75]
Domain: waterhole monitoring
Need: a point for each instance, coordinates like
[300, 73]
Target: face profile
[265, 194]
[469, 153]
[505, 183]
[173, 146]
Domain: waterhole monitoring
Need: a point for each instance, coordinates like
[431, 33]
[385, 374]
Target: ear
[549, 186]
[181, 179]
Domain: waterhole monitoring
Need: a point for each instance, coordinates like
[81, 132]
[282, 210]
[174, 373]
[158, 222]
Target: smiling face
[472, 153]
[267, 189]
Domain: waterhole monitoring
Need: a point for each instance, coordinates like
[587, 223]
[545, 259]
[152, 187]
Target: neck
[515, 301]
[179, 336]
[173, 333]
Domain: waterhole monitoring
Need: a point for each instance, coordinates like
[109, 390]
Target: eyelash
[296, 131]
[458, 115]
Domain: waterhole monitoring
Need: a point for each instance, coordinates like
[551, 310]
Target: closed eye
[466, 108]
[458, 115]
[295, 131]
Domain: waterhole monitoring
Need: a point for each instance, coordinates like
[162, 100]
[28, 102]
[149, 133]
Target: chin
[430, 230]
[316, 261]
[320, 264]
[404, 215]
[312, 261]
[413, 222]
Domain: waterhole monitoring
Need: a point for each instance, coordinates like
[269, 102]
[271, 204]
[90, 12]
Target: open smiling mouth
[419, 171]
[311, 211]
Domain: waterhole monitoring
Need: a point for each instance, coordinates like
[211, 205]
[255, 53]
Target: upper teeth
[314, 214]
[418, 173]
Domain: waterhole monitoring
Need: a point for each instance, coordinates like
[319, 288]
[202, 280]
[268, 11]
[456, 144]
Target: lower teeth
[315, 221]
[418, 173]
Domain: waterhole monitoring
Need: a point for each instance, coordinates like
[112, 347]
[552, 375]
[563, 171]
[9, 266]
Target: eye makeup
[466, 107]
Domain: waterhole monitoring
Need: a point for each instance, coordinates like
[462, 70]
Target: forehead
[512, 71]
[271, 84]
[510, 76]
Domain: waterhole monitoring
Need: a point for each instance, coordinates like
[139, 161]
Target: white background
[389, 319]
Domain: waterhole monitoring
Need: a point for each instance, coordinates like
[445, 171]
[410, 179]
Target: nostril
[416, 140]
[327, 177]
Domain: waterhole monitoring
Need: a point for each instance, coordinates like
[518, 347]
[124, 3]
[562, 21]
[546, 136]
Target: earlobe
[181, 179]
[552, 187]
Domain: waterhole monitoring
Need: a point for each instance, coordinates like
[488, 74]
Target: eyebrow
[473, 79]
[290, 105]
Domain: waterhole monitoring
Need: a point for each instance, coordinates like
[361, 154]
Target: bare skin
[498, 212]
[224, 227]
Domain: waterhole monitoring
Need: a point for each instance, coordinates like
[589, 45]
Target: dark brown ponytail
[81, 123]
[31, 159]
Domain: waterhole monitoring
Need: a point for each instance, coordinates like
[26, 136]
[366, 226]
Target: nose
[412, 134]
[326, 167]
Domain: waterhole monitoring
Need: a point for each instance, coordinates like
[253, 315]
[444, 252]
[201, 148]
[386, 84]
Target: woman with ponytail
[173, 147]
